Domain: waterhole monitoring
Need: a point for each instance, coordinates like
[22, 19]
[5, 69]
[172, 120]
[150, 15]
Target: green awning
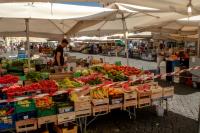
[119, 42]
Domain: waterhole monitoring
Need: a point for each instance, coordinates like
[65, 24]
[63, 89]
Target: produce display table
[72, 98]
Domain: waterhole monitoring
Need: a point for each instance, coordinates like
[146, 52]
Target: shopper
[160, 56]
[58, 55]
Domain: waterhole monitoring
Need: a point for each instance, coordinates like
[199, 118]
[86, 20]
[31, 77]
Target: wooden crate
[156, 93]
[100, 106]
[115, 106]
[84, 99]
[66, 117]
[144, 99]
[100, 109]
[47, 119]
[59, 76]
[100, 101]
[27, 82]
[168, 91]
[130, 103]
[83, 106]
[26, 125]
[130, 99]
[83, 113]
[130, 95]
[79, 106]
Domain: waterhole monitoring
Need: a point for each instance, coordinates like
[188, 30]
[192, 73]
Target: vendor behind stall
[58, 54]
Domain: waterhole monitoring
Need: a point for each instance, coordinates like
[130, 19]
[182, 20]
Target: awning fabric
[45, 19]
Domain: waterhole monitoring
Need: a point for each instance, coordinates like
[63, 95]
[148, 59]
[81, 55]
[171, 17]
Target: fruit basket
[24, 106]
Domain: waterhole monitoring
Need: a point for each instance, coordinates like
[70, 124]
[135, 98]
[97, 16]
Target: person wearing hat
[58, 54]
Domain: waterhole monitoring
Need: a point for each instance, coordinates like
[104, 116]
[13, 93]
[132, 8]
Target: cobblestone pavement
[132, 62]
[181, 118]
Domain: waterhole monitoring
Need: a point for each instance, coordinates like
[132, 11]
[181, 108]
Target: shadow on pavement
[146, 122]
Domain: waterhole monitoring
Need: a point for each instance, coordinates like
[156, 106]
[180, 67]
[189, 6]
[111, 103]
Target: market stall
[72, 97]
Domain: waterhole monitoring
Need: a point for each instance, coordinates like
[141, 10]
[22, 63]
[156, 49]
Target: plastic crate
[6, 109]
[25, 115]
[24, 106]
[64, 107]
[7, 122]
[41, 112]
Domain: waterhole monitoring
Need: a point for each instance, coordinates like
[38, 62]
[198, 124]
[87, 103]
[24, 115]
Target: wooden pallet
[47, 119]
[66, 117]
[26, 125]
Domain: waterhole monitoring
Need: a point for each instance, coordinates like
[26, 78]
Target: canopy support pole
[199, 121]
[125, 39]
[27, 42]
[198, 45]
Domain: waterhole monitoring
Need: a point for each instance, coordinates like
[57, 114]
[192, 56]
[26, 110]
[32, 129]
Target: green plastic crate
[26, 107]
[41, 112]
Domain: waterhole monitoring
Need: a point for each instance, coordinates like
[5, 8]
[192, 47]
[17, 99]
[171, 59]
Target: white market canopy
[133, 18]
[45, 20]
[184, 27]
[179, 6]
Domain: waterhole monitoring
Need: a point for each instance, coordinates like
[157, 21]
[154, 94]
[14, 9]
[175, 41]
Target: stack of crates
[46, 110]
[65, 108]
[6, 116]
[25, 115]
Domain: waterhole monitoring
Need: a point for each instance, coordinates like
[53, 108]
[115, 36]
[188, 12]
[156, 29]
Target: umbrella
[43, 20]
[185, 29]
[125, 20]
